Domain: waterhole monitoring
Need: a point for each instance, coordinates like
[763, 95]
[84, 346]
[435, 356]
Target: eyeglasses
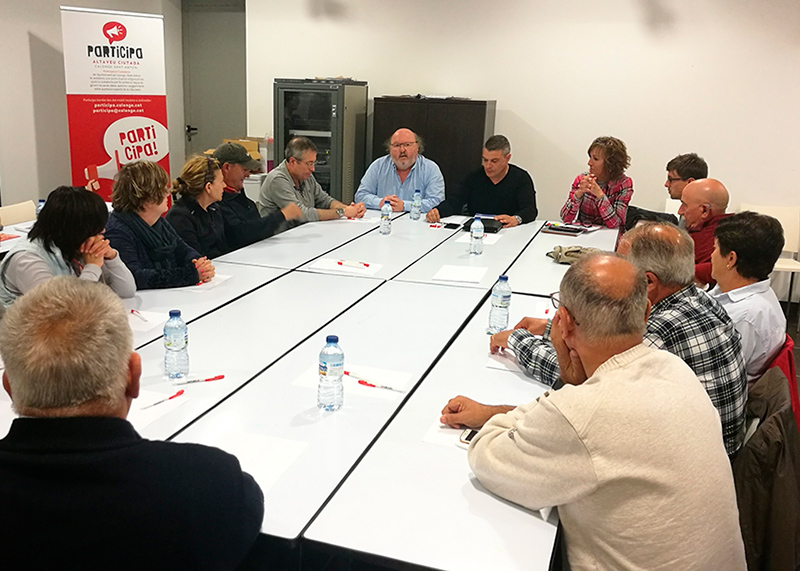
[402, 145]
[309, 164]
[671, 180]
[554, 298]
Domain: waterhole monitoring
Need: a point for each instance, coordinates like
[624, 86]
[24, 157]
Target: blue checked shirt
[688, 324]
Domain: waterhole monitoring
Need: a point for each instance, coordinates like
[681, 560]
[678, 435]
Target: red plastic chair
[784, 360]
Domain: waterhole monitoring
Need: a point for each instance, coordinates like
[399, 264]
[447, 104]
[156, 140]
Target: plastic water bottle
[476, 237]
[330, 391]
[176, 343]
[416, 206]
[39, 207]
[386, 218]
[501, 301]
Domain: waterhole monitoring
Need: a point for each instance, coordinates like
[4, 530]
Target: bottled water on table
[386, 218]
[476, 237]
[501, 301]
[39, 207]
[416, 206]
[330, 391]
[176, 343]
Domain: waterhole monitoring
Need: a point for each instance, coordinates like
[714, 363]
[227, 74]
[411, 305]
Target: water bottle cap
[332, 339]
[174, 312]
[503, 278]
[418, 191]
[477, 219]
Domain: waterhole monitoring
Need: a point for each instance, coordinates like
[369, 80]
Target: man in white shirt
[746, 247]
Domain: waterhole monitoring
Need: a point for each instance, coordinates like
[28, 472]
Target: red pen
[139, 315]
[367, 383]
[218, 377]
[179, 393]
[352, 264]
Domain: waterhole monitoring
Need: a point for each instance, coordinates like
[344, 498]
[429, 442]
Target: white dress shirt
[759, 319]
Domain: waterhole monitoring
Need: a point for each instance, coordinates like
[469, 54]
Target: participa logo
[114, 32]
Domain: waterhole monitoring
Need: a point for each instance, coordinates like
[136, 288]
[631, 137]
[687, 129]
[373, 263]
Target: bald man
[630, 446]
[703, 205]
[394, 178]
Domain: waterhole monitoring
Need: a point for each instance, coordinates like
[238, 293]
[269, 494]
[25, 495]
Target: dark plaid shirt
[688, 324]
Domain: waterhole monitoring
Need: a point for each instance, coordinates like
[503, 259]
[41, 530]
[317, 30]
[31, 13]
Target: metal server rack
[333, 114]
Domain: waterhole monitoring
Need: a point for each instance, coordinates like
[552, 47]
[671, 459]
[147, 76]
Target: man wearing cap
[243, 224]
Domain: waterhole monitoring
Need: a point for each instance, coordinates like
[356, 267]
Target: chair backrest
[788, 216]
[16, 213]
[672, 206]
[784, 360]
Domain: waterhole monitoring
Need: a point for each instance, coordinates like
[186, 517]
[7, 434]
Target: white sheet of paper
[443, 435]
[215, 281]
[488, 239]
[264, 457]
[468, 274]
[141, 417]
[349, 266]
[23, 226]
[146, 320]
[7, 415]
[505, 361]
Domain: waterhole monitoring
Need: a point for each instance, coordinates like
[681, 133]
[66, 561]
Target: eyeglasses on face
[556, 301]
[402, 145]
[671, 179]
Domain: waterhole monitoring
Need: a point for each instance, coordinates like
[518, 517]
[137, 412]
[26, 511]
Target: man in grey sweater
[293, 182]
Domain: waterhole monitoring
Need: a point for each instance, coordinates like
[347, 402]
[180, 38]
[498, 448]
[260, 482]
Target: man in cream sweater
[630, 450]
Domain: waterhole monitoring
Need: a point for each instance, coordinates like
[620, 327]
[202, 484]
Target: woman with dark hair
[746, 247]
[151, 248]
[66, 240]
[601, 196]
[195, 215]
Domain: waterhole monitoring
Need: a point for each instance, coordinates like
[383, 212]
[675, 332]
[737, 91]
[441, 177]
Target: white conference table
[20, 230]
[242, 339]
[413, 498]
[386, 255]
[234, 281]
[494, 261]
[298, 245]
[299, 454]
[533, 272]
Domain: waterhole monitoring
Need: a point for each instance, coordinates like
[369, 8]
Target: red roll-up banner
[116, 92]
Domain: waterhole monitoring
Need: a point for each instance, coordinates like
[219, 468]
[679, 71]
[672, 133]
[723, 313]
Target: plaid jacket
[609, 210]
[688, 324]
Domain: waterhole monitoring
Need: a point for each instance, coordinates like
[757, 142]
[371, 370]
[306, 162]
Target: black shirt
[90, 493]
[514, 195]
[203, 230]
[243, 224]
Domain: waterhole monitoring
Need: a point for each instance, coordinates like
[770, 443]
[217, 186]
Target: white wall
[720, 78]
[34, 144]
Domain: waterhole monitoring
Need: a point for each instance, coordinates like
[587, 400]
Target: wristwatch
[519, 218]
[340, 212]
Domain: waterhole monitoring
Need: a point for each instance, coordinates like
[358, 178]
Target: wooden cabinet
[453, 130]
